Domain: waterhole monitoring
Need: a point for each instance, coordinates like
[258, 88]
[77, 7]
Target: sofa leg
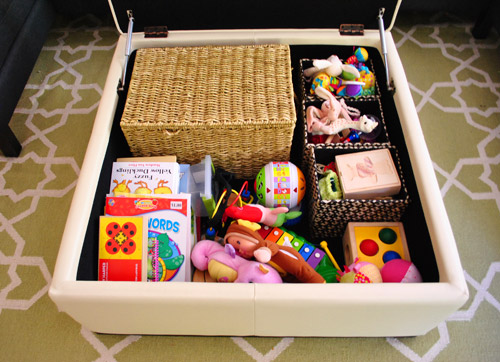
[486, 20]
[9, 144]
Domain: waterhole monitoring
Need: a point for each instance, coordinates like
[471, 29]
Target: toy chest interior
[332, 309]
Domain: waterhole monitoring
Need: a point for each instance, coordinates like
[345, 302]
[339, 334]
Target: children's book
[122, 249]
[171, 158]
[144, 178]
[170, 237]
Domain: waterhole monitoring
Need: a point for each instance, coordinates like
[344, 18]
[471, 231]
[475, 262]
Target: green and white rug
[455, 82]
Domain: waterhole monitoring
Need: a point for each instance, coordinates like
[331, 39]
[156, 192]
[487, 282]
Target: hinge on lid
[128, 48]
[381, 28]
[156, 31]
[352, 29]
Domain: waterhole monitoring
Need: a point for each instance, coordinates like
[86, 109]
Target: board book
[122, 248]
[144, 178]
[169, 232]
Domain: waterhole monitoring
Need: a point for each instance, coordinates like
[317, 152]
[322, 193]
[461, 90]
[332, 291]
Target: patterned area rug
[455, 83]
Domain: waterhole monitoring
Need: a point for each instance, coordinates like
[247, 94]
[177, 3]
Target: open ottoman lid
[256, 14]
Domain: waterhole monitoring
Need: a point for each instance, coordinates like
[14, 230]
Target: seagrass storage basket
[329, 218]
[234, 103]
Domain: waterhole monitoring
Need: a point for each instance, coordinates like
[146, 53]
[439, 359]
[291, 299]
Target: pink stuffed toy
[335, 116]
[224, 265]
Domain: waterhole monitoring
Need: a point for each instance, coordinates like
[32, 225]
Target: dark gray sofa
[24, 25]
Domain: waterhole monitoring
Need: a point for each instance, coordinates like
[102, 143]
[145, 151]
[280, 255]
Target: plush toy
[400, 271]
[331, 66]
[360, 272]
[335, 116]
[329, 186]
[262, 215]
[249, 244]
[224, 265]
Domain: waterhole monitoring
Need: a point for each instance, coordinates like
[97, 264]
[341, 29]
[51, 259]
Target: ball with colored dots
[368, 79]
[369, 247]
[388, 236]
[390, 255]
[361, 54]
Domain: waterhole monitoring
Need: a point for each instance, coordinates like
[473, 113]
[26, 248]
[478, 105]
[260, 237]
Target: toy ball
[368, 269]
[360, 272]
[361, 54]
[400, 271]
[321, 80]
[280, 184]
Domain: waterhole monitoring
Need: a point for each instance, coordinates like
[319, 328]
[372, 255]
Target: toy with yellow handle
[324, 245]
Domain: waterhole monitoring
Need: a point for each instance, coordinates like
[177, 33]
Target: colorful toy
[351, 79]
[360, 272]
[375, 242]
[354, 88]
[400, 271]
[326, 266]
[224, 265]
[329, 186]
[280, 184]
[349, 72]
[288, 261]
[324, 245]
[352, 85]
[360, 56]
[261, 214]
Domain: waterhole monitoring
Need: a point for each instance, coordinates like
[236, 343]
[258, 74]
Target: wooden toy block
[375, 242]
[368, 174]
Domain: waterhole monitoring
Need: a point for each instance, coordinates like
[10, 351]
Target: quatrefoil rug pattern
[455, 83]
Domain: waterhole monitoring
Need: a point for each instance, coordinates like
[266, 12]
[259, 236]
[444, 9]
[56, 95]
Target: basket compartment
[329, 218]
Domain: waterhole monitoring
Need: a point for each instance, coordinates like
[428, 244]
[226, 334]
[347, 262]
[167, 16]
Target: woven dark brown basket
[234, 103]
[329, 218]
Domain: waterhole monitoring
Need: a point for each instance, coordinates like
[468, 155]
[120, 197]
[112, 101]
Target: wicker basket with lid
[234, 103]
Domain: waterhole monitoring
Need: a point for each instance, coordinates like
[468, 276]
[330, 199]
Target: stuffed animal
[332, 66]
[335, 116]
[224, 265]
[263, 215]
[249, 244]
[329, 186]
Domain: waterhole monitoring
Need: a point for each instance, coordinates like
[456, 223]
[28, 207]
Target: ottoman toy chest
[230, 102]
[287, 309]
